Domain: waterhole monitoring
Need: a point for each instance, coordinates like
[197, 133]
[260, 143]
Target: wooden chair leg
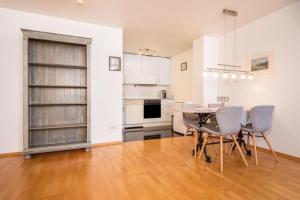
[195, 142]
[203, 145]
[226, 149]
[239, 148]
[184, 137]
[221, 153]
[269, 144]
[231, 147]
[254, 147]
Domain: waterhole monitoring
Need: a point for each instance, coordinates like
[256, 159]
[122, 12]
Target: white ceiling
[168, 26]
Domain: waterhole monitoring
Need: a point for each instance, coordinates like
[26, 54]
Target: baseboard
[295, 158]
[12, 154]
[106, 144]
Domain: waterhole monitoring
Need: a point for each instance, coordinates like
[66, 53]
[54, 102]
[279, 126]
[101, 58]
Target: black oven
[152, 108]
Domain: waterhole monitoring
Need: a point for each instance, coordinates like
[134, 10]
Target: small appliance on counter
[163, 94]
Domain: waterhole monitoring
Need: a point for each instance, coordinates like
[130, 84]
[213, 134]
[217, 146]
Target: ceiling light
[216, 75]
[250, 77]
[224, 75]
[205, 74]
[80, 2]
[233, 76]
[147, 52]
[243, 76]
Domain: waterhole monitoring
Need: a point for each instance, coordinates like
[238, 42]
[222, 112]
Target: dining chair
[259, 125]
[190, 121]
[229, 124]
[213, 119]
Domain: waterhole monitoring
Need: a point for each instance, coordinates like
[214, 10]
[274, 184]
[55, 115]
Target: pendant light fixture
[225, 69]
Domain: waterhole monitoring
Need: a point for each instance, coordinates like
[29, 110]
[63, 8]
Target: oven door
[152, 109]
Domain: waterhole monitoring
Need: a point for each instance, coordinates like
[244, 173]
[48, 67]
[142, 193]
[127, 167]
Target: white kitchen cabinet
[163, 69]
[134, 112]
[132, 69]
[149, 70]
[178, 125]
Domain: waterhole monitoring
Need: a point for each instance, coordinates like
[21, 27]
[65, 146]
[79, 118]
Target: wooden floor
[156, 169]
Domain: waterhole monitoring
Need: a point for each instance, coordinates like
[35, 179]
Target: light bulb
[243, 76]
[250, 77]
[233, 76]
[80, 2]
[224, 75]
[216, 75]
[205, 74]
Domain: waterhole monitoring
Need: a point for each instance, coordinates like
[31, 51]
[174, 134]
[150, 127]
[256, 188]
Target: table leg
[242, 143]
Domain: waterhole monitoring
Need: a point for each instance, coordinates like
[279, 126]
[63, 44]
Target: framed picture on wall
[261, 63]
[183, 66]
[114, 63]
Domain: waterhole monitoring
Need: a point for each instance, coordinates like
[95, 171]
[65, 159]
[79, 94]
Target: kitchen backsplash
[141, 91]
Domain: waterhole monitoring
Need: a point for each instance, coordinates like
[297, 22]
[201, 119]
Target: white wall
[278, 33]
[205, 55]
[182, 81]
[106, 103]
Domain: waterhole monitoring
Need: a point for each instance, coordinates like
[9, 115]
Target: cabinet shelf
[56, 65]
[57, 104]
[57, 86]
[67, 126]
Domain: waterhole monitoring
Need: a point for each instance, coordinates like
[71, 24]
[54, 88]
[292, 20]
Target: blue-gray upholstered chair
[213, 119]
[259, 124]
[191, 121]
[229, 124]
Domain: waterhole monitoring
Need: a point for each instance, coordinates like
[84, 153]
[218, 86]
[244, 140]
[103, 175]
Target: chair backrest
[229, 119]
[261, 118]
[215, 105]
[187, 114]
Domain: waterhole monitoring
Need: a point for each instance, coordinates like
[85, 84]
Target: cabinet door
[163, 68]
[134, 114]
[149, 70]
[178, 125]
[132, 69]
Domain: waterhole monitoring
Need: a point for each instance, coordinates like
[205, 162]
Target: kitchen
[147, 104]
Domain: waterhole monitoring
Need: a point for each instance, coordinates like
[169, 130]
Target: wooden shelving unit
[58, 86]
[56, 92]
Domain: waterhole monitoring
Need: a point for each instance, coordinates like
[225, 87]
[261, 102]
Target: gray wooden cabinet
[56, 92]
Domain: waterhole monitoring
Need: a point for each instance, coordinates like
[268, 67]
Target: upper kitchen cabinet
[132, 69]
[163, 69]
[149, 70]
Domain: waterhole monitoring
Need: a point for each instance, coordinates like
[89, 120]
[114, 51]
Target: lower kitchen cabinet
[134, 112]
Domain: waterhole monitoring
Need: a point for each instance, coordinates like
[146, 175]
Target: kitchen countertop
[142, 98]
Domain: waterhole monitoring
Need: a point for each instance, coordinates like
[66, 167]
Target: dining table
[207, 113]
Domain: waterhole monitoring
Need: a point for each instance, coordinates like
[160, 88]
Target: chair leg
[221, 153]
[269, 144]
[231, 147]
[226, 149]
[203, 145]
[195, 142]
[239, 148]
[254, 147]
[184, 137]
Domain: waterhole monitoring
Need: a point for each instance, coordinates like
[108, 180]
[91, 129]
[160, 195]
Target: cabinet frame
[53, 37]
